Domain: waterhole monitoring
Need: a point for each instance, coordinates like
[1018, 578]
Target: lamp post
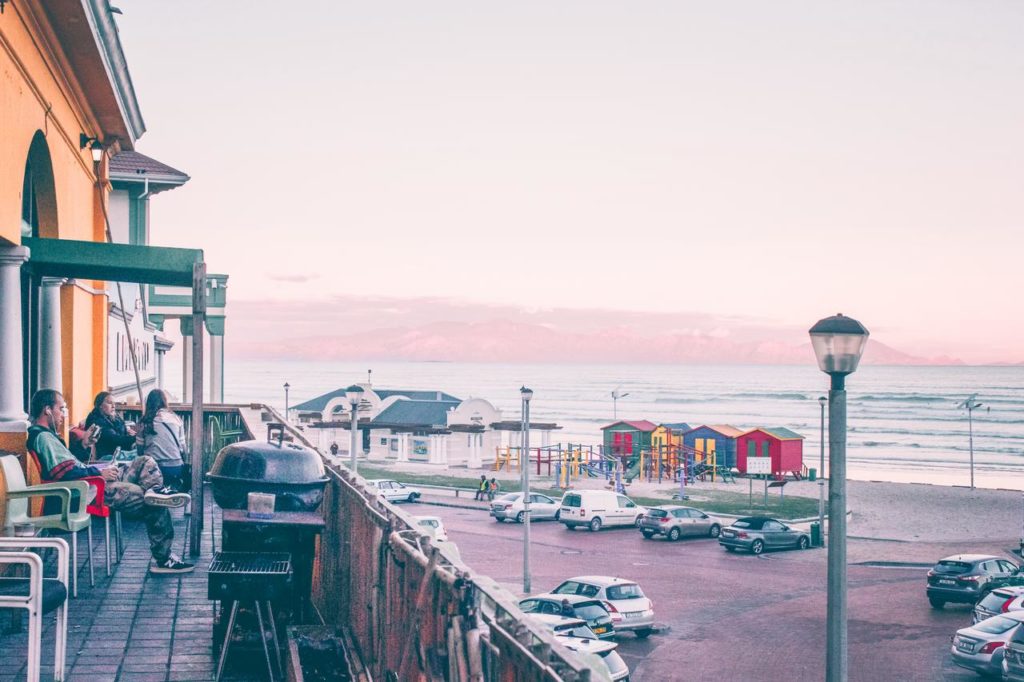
[838, 343]
[286, 387]
[354, 393]
[821, 474]
[971, 404]
[524, 460]
[615, 402]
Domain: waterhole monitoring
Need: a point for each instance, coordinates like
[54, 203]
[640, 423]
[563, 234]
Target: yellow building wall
[38, 93]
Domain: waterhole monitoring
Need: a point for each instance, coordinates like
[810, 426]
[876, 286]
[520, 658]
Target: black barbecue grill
[249, 576]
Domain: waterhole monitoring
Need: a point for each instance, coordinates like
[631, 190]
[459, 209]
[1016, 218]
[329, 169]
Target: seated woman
[161, 435]
[113, 433]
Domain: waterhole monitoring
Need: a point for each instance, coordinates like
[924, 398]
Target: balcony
[403, 606]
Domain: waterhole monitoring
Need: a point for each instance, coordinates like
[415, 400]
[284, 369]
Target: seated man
[133, 489]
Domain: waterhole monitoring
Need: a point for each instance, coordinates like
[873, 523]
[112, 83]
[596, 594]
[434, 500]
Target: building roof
[782, 433]
[638, 424]
[131, 166]
[725, 429]
[677, 426]
[415, 413]
[320, 402]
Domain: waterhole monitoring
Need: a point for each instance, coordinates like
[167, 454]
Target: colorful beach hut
[715, 444]
[785, 447]
[628, 437]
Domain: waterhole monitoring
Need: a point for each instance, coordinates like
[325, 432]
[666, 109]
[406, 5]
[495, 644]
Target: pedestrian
[134, 489]
[481, 488]
[492, 489]
[160, 436]
[334, 449]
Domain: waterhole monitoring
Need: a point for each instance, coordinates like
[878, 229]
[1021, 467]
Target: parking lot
[728, 616]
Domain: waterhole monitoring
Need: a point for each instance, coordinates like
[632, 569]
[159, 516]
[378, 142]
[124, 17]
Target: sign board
[759, 465]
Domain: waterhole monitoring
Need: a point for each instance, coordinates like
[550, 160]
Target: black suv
[963, 578]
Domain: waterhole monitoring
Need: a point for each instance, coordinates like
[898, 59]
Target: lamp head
[94, 145]
[354, 393]
[526, 393]
[822, 400]
[838, 343]
[287, 385]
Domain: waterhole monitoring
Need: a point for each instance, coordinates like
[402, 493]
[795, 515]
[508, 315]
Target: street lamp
[615, 402]
[524, 461]
[838, 343]
[821, 474]
[286, 387]
[354, 393]
[971, 404]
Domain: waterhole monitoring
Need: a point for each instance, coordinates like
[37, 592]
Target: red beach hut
[785, 447]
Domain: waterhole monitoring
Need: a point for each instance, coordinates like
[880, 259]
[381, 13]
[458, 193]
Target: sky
[777, 162]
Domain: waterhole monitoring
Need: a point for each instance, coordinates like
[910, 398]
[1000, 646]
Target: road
[728, 616]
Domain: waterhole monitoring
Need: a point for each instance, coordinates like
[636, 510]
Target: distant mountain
[499, 340]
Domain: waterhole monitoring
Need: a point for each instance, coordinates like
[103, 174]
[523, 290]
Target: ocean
[904, 424]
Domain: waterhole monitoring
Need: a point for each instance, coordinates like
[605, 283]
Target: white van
[599, 508]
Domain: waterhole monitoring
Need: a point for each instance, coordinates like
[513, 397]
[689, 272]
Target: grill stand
[263, 638]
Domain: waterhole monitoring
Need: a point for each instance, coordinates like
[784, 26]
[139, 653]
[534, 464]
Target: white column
[216, 368]
[545, 438]
[403, 447]
[51, 373]
[474, 450]
[186, 369]
[445, 442]
[159, 358]
[12, 378]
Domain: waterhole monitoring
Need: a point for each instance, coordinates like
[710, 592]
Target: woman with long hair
[113, 432]
[161, 435]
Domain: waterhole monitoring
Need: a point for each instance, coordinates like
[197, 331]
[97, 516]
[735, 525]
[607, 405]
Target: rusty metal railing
[413, 609]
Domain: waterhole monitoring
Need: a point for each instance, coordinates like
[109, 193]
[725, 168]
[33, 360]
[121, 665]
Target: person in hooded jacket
[161, 436]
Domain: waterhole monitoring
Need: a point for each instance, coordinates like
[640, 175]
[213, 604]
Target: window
[680, 513]
[571, 501]
[772, 525]
[529, 606]
[624, 502]
[751, 448]
[568, 587]
[383, 441]
[627, 591]
[589, 590]
[765, 449]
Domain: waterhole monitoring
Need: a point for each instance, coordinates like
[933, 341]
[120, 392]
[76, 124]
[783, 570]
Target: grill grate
[251, 563]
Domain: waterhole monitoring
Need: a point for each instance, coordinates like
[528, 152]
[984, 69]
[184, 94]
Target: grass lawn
[725, 502]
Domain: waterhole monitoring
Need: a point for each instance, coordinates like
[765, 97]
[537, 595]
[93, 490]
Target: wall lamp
[94, 144]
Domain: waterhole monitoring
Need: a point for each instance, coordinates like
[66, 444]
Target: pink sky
[771, 163]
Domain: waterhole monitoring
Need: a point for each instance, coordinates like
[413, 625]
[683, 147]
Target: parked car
[393, 491]
[964, 578]
[510, 507]
[980, 646]
[434, 526]
[587, 608]
[1001, 600]
[629, 608]
[599, 508]
[674, 522]
[1015, 579]
[758, 533]
[565, 626]
[605, 652]
[1013, 657]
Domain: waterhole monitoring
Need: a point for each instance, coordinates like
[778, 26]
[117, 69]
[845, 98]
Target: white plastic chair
[28, 593]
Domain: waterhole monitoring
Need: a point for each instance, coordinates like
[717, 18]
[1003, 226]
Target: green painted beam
[112, 262]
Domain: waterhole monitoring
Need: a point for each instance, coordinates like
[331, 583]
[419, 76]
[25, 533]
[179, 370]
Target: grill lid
[269, 462]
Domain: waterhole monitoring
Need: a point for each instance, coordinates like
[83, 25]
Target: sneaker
[165, 497]
[171, 564]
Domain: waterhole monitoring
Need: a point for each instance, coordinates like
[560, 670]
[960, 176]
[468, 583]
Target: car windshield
[582, 631]
[630, 591]
[994, 601]
[749, 523]
[590, 610]
[571, 501]
[657, 513]
[429, 523]
[952, 567]
[996, 625]
[1018, 636]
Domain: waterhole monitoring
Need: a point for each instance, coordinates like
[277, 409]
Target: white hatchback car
[433, 526]
[575, 635]
[629, 608]
[393, 491]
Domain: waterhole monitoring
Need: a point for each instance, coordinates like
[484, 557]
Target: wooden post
[198, 323]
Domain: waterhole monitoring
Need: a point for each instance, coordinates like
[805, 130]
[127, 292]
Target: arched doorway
[38, 219]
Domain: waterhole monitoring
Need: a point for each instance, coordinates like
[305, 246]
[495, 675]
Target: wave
[904, 398]
[771, 396]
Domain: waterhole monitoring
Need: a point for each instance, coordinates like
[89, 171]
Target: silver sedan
[510, 507]
[674, 522]
[981, 647]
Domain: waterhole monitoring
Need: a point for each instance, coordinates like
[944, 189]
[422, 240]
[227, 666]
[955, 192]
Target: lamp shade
[354, 393]
[838, 343]
[97, 151]
[526, 393]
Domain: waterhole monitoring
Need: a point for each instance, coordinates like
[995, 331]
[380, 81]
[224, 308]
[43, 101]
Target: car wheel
[412, 497]
[757, 547]
[558, 514]
[803, 542]
[647, 534]
[715, 530]
[595, 524]
[937, 604]
[643, 633]
[638, 521]
[497, 520]
[570, 526]
[520, 517]
[729, 549]
[674, 534]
